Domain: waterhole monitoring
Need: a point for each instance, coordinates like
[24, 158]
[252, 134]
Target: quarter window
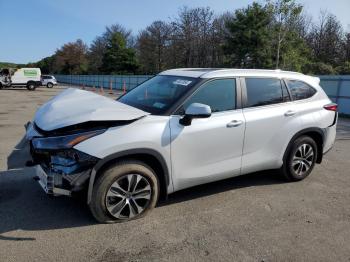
[300, 90]
[219, 94]
[265, 91]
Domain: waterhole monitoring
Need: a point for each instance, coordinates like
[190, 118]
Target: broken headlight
[63, 142]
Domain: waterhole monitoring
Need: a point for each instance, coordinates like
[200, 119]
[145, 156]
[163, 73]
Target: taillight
[331, 107]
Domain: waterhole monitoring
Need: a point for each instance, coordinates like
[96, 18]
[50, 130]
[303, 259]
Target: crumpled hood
[75, 106]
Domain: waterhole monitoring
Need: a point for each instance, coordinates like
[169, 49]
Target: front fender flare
[126, 153]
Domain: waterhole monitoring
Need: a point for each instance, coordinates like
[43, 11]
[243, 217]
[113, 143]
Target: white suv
[179, 129]
[48, 81]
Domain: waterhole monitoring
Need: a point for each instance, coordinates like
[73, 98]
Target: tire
[1, 86]
[31, 86]
[49, 85]
[300, 159]
[111, 200]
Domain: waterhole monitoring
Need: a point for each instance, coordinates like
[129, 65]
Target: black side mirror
[195, 110]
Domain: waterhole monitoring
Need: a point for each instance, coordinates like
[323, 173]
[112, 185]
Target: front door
[209, 149]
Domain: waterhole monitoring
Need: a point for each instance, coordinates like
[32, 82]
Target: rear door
[209, 149]
[271, 120]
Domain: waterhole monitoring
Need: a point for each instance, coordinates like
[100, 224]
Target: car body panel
[207, 150]
[267, 128]
[74, 106]
[151, 132]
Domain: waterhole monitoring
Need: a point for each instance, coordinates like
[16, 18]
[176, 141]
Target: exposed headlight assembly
[63, 142]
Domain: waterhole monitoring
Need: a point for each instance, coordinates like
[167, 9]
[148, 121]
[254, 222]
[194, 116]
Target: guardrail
[336, 87]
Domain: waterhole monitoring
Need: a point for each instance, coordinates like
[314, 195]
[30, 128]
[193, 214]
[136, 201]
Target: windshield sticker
[182, 82]
[158, 105]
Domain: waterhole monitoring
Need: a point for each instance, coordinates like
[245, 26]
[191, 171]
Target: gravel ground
[256, 217]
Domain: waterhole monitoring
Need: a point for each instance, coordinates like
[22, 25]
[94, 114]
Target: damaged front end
[60, 168]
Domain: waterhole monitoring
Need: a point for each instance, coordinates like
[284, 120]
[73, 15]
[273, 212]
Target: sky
[33, 29]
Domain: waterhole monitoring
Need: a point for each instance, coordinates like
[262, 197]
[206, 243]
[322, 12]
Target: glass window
[159, 93]
[219, 94]
[263, 91]
[300, 90]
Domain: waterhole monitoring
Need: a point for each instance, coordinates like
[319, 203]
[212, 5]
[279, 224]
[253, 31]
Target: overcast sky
[31, 30]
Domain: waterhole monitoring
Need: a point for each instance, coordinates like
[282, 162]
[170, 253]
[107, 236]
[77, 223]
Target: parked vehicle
[22, 77]
[48, 81]
[179, 129]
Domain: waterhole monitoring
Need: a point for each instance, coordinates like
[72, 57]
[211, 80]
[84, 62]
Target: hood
[75, 106]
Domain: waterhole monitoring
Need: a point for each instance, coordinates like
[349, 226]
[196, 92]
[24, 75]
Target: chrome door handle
[234, 123]
[290, 113]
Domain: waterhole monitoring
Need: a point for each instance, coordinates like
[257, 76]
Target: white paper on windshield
[158, 105]
[182, 82]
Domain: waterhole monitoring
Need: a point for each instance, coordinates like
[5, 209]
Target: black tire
[31, 86]
[296, 164]
[49, 85]
[120, 172]
[1, 86]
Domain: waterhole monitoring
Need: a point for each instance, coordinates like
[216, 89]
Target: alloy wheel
[303, 159]
[128, 196]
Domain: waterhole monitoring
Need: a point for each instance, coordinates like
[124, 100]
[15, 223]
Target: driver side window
[219, 94]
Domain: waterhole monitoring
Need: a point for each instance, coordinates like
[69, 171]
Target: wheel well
[318, 138]
[150, 160]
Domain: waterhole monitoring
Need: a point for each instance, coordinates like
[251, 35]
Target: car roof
[225, 72]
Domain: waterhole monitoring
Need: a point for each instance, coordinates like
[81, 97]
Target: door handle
[290, 113]
[234, 123]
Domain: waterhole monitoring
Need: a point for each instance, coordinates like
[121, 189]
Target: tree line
[276, 34]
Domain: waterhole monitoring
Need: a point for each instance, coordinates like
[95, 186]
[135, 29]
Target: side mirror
[195, 110]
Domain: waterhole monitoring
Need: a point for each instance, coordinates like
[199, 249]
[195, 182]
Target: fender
[125, 153]
[318, 130]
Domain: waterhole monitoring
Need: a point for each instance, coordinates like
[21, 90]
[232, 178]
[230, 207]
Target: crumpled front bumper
[50, 171]
[47, 183]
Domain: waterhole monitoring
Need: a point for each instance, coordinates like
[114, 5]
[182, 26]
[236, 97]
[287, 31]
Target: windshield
[159, 93]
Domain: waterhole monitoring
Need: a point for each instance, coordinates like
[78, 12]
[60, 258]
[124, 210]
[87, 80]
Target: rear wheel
[126, 191]
[49, 85]
[31, 86]
[300, 159]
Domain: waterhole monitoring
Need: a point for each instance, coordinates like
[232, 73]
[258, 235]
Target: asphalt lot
[257, 217]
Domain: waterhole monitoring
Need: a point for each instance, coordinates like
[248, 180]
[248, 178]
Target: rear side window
[300, 90]
[219, 94]
[265, 91]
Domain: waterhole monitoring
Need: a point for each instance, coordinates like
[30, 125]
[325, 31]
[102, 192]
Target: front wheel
[49, 85]
[125, 191]
[300, 159]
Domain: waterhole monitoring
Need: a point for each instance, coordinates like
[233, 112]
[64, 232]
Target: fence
[117, 82]
[336, 87]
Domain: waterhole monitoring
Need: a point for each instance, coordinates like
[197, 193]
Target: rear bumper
[329, 136]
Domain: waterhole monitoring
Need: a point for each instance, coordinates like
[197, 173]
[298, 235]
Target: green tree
[98, 46]
[118, 58]
[248, 39]
[319, 68]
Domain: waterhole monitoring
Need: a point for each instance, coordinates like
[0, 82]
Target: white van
[28, 77]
